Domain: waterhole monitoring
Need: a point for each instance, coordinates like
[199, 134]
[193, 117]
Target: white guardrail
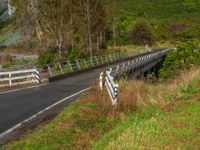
[137, 65]
[111, 87]
[19, 77]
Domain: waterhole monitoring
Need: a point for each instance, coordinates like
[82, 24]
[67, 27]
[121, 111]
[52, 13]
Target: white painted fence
[136, 65]
[20, 77]
[112, 87]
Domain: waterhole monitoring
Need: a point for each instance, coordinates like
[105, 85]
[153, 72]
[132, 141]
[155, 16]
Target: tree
[51, 20]
[89, 23]
[141, 33]
[62, 24]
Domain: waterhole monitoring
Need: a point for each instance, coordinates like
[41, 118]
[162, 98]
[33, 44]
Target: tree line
[64, 24]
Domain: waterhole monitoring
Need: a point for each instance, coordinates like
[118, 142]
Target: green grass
[75, 128]
[173, 126]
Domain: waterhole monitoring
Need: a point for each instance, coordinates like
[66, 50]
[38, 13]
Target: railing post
[10, 79]
[78, 64]
[37, 76]
[123, 65]
[102, 60]
[97, 60]
[49, 69]
[91, 61]
[59, 65]
[101, 80]
[117, 69]
[70, 66]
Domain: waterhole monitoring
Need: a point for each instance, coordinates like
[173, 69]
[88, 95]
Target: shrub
[6, 60]
[141, 33]
[46, 57]
[1, 25]
[75, 53]
[187, 54]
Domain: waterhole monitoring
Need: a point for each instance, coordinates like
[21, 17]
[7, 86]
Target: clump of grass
[131, 95]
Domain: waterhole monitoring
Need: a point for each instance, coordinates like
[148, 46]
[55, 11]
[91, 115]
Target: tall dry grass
[134, 93]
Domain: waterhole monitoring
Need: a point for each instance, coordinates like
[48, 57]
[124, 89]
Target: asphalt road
[17, 106]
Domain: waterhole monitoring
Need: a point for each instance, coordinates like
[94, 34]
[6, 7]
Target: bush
[141, 33]
[1, 25]
[6, 60]
[75, 53]
[187, 54]
[46, 57]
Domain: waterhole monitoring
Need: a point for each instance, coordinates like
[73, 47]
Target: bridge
[24, 108]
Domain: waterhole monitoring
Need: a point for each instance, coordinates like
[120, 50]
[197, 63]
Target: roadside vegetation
[166, 111]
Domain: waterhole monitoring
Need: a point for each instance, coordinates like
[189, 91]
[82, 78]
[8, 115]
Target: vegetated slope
[173, 123]
[10, 35]
[170, 19]
[149, 117]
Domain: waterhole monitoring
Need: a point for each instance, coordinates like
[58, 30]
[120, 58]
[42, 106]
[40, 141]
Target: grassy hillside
[170, 19]
[171, 124]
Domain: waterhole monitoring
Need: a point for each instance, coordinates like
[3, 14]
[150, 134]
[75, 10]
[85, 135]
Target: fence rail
[58, 68]
[19, 77]
[137, 66]
[111, 87]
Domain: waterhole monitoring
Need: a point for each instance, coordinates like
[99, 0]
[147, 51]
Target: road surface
[18, 106]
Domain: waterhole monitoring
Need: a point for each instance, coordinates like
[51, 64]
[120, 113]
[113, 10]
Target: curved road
[18, 106]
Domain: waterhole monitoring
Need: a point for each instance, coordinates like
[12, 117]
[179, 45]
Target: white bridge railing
[111, 87]
[19, 77]
[137, 66]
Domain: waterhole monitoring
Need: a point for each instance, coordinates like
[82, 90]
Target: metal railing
[19, 77]
[59, 68]
[111, 87]
[137, 66]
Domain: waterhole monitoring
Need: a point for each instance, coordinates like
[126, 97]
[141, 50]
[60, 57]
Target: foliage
[1, 24]
[6, 59]
[160, 14]
[64, 23]
[46, 57]
[185, 55]
[76, 54]
[141, 33]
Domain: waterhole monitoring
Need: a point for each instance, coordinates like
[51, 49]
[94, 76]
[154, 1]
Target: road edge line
[2, 135]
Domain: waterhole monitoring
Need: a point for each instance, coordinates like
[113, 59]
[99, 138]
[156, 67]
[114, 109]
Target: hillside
[170, 19]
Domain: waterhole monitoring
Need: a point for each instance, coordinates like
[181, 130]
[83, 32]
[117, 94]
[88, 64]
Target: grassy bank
[170, 120]
[149, 116]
